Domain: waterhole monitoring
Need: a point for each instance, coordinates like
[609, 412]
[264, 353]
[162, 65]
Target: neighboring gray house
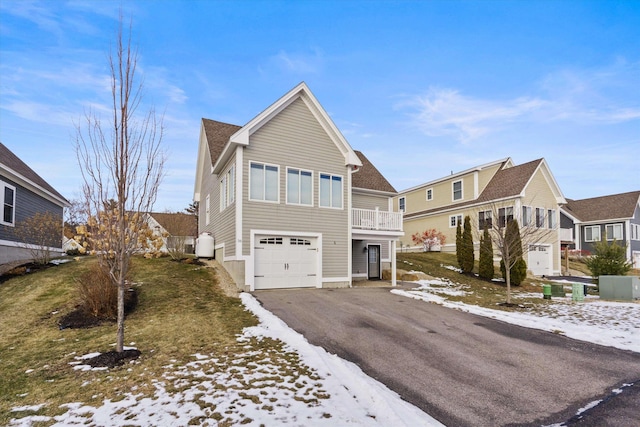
[22, 194]
[290, 203]
[586, 221]
[177, 230]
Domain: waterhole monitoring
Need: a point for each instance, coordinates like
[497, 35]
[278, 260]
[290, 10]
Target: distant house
[23, 193]
[176, 229]
[586, 221]
[496, 191]
[290, 203]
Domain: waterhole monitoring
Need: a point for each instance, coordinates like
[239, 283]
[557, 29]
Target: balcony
[566, 234]
[375, 220]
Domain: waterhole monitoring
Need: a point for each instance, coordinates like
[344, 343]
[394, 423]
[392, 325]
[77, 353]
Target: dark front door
[374, 261]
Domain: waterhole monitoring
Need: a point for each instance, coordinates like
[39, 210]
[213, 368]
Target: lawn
[182, 316]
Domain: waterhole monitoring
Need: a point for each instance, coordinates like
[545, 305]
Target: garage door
[539, 260]
[285, 262]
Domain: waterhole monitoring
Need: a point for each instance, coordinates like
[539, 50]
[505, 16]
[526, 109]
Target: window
[429, 194]
[402, 204]
[614, 231]
[299, 187]
[271, 241]
[484, 220]
[263, 182]
[8, 195]
[551, 215]
[207, 207]
[457, 190]
[228, 188]
[505, 215]
[635, 232]
[330, 191]
[299, 242]
[592, 233]
[454, 220]
[540, 217]
[526, 215]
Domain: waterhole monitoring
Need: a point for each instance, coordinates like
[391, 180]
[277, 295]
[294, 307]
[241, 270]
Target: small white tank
[205, 246]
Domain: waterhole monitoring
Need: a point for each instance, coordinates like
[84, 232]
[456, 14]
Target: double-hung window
[505, 215]
[330, 191]
[454, 220]
[429, 194]
[402, 204]
[614, 231]
[526, 215]
[207, 209]
[457, 190]
[228, 188]
[484, 220]
[8, 199]
[299, 187]
[263, 182]
[551, 215]
[540, 217]
[592, 233]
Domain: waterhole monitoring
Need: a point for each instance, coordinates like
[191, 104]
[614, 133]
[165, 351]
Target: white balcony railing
[370, 219]
[566, 234]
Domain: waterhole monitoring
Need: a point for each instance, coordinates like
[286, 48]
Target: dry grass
[181, 311]
[479, 292]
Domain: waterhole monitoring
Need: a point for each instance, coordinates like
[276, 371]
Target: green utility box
[619, 287]
[577, 293]
[557, 291]
[546, 291]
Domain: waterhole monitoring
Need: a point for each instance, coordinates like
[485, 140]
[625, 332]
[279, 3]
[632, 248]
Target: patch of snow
[31, 408]
[451, 267]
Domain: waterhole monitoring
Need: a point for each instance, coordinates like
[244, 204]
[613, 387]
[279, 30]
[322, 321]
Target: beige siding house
[495, 191]
[290, 203]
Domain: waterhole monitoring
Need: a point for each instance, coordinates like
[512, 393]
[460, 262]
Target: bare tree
[511, 247]
[122, 164]
[41, 235]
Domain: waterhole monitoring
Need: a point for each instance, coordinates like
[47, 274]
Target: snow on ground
[609, 323]
[261, 388]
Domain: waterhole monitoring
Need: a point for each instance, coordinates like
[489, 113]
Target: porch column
[393, 263]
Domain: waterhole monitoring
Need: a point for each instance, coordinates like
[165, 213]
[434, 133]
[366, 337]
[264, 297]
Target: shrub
[518, 271]
[486, 269]
[467, 256]
[608, 259]
[459, 244]
[98, 295]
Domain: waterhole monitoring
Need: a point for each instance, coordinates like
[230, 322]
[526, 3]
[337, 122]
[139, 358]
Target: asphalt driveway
[462, 369]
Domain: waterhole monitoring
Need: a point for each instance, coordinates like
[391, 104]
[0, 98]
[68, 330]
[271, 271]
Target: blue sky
[422, 88]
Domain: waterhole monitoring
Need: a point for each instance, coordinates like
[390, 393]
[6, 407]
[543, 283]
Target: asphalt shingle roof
[614, 206]
[12, 161]
[370, 178]
[177, 224]
[218, 134]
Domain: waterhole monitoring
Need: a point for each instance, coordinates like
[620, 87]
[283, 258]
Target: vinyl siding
[370, 201]
[27, 203]
[295, 139]
[221, 224]
[360, 257]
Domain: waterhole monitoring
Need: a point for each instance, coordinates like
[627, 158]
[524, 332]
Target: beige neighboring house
[496, 191]
[289, 203]
[175, 229]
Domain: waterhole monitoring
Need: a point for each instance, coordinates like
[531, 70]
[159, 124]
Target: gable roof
[17, 170]
[177, 224]
[509, 182]
[614, 206]
[369, 177]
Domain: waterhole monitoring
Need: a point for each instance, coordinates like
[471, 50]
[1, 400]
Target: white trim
[379, 259]
[239, 201]
[32, 186]
[426, 194]
[350, 172]
[402, 209]
[207, 209]
[21, 245]
[265, 182]
[3, 186]
[250, 260]
[393, 264]
[461, 215]
[359, 275]
[286, 186]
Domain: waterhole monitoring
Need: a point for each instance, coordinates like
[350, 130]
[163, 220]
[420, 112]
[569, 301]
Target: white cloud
[299, 63]
[604, 96]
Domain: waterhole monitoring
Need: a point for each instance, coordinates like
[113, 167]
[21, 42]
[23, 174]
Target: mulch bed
[80, 318]
[111, 359]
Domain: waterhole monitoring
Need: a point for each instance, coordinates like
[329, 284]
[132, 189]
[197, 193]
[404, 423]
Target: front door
[374, 261]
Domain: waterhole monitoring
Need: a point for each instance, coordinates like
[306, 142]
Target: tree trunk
[120, 331]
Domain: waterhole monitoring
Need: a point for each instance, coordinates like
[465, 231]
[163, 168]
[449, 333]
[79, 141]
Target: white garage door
[540, 260]
[285, 262]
